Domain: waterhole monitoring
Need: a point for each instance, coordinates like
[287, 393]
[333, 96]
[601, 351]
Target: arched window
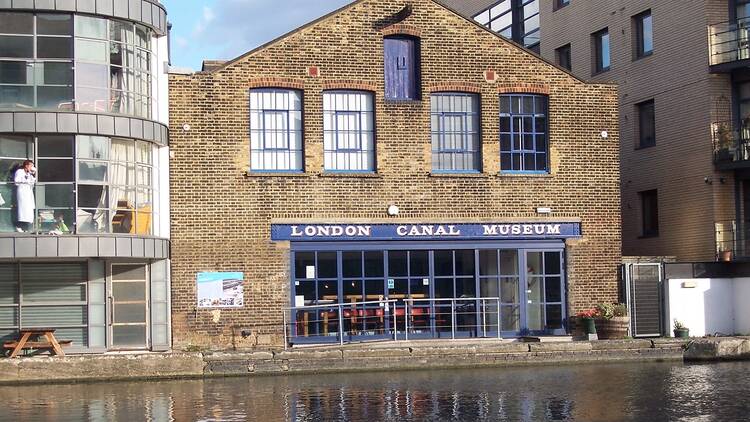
[275, 130]
[456, 143]
[348, 131]
[523, 133]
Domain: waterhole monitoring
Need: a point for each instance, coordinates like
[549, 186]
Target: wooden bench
[51, 343]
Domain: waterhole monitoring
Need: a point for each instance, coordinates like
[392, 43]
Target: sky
[225, 29]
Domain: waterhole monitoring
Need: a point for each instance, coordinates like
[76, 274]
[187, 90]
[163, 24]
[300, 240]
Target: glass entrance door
[128, 296]
[543, 293]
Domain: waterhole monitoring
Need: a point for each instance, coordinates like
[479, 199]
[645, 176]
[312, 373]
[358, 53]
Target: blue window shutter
[400, 69]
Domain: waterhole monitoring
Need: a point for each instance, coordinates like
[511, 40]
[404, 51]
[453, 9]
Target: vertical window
[561, 3]
[530, 29]
[401, 68]
[649, 213]
[513, 19]
[601, 50]
[348, 131]
[644, 35]
[646, 124]
[275, 130]
[523, 133]
[562, 55]
[743, 10]
[455, 132]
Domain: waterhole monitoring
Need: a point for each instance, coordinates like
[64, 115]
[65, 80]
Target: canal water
[601, 392]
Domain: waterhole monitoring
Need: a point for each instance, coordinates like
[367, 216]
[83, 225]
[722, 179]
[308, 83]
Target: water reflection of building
[83, 93]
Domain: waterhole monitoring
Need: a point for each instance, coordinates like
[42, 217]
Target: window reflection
[106, 187]
[112, 64]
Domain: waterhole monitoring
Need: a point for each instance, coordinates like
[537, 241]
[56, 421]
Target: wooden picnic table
[51, 343]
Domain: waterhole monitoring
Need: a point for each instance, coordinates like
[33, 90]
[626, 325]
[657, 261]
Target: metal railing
[394, 319]
[731, 242]
[731, 142]
[729, 41]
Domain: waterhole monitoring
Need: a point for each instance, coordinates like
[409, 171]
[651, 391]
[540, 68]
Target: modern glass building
[84, 234]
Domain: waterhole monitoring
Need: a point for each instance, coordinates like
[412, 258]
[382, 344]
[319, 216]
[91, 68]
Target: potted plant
[613, 320]
[680, 330]
[587, 319]
[724, 141]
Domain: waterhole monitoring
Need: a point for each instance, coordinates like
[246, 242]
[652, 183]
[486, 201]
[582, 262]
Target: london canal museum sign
[488, 231]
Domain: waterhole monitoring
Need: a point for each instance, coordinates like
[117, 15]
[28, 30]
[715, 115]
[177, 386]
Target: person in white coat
[25, 179]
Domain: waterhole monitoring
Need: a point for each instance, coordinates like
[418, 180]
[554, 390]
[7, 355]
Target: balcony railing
[729, 41]
[731, 242]
[731, 143]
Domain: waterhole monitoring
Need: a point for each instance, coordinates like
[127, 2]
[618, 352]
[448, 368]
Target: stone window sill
[459, 175]
[527, 175]
[251, 174]
[351, 175]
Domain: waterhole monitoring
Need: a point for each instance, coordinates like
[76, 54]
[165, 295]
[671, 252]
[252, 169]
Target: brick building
[681, 68]
[389, 151]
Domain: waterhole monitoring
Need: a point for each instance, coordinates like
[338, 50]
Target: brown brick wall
[221, 216]
[686, 97]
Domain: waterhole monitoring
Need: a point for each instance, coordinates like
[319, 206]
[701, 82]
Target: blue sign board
[425, 231]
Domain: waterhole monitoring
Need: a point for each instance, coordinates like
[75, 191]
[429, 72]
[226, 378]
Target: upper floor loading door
[128, 306]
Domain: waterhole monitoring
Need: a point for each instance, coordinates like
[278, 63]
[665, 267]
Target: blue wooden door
[400, 69]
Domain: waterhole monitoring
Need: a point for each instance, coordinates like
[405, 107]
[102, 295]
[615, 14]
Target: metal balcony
[731, 143]
[731, 244]
[729, 45]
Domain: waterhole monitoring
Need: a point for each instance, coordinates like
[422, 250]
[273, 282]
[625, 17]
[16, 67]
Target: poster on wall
[220, 290]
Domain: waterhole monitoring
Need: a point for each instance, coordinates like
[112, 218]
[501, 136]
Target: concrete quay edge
[359, 358]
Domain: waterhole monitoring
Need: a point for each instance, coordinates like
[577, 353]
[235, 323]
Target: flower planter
[589, 325]
[682, 332]
[615, 328]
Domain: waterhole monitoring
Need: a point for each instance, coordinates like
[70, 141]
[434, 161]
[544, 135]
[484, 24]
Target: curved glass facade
[63, 62]
[86, 184]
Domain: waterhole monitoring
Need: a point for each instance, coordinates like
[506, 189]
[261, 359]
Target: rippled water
[605, 392]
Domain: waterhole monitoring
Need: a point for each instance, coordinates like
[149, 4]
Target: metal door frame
[631, 302]
[110, 309]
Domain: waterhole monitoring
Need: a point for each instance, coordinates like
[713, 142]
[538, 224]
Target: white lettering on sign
[331, 231]
[427, 230]
[520, 229]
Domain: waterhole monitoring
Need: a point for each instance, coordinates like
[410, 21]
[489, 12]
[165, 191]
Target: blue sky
[224, 29]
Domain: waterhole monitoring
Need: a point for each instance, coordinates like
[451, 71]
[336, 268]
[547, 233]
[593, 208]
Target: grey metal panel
[136, 128]
[104, 7]
[86, 6]
[137, 248]
[106, 125]
[162, 20]
[25, 247]
[87, 124]
[134, 11]
[7, 249]
[5, 4]
[148, 248]
[165, 254]
[67, 123]
[88, 246]
[67, 5]
[68, 246]
[122, 126]
[44, 4]
[6, 121]
[24, 122]
[121, 9]
[46, 247]
[106, 246]
[123, 247]
[148, 130]
[23, 4]
[46, 122]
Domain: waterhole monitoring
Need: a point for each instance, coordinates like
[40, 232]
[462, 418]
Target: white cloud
[205, 21]
[238, 26]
